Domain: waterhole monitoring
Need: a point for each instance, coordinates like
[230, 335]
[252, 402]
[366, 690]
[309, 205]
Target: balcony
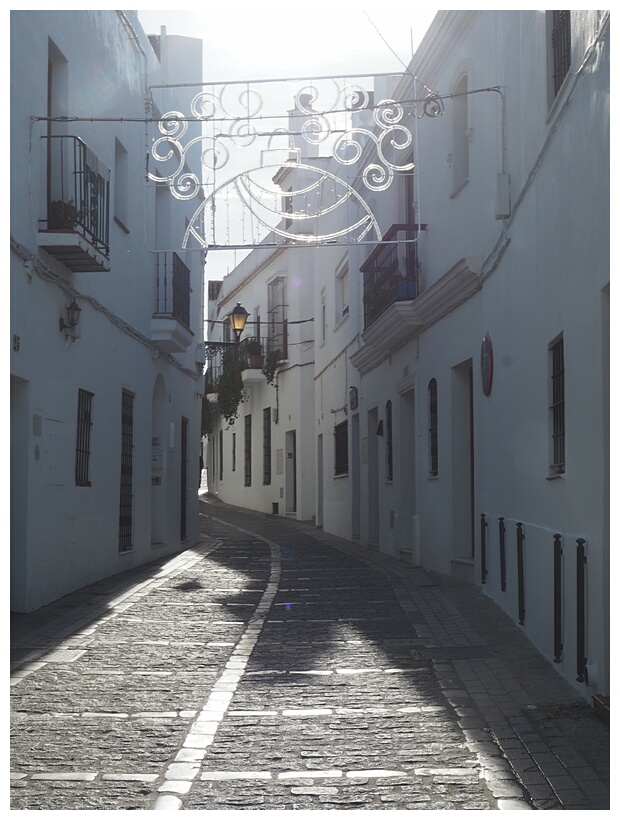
[170, 323]
[404, 319]
[390, 272]
[76, 228]
[258, 358]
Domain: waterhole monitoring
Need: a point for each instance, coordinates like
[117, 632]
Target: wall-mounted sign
[486, 365]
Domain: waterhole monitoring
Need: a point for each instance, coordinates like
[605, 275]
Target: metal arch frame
[238, 122]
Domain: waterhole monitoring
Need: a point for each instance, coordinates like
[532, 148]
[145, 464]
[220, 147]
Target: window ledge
[341, 475]
[555, 476]
[432, 477]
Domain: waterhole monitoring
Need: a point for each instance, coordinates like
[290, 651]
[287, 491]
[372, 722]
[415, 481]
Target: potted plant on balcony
[254, 352]
[62, 215]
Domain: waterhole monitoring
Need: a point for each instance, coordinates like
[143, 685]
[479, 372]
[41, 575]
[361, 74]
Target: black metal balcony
[78, 205]
[390, 272]
[173, 287]
[170, 323]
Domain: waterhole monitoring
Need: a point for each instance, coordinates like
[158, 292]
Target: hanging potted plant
[230, 388]
[271, 365]
[254, 352]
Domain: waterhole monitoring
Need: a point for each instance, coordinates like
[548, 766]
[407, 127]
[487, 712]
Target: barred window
[433, 451]
[125, 518]
[82, 447]
[248, 450]
[557, 406]
[389, 459]
[341, 449]
[558, 23]
[267, 445]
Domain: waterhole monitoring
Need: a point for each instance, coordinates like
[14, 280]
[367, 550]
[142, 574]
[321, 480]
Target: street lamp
[238, 318]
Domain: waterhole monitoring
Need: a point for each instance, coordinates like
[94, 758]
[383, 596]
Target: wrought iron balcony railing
[252, 352]
[173, 287]
[390, 272]
[78, 192]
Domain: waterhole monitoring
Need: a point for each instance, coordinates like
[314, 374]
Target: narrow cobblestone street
[277, 667]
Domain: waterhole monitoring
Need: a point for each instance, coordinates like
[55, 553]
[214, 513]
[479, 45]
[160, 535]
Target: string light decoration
[369, 143]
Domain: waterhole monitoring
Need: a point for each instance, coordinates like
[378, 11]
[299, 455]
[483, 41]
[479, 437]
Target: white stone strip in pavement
[213, 775]
[182, 772]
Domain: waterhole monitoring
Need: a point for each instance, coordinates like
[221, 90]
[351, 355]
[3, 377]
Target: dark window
[234, 452]
[341, 449]
[557, 405]
[267, 445]
[82, 447]
[433, 460]
[560, 47]
[248, 450]
[125, 518]
[389, 458]
[221, 454]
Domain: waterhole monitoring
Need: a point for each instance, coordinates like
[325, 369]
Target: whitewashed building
[105, 399]
[461, 366]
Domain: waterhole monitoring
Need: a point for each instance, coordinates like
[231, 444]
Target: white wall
[68, 536]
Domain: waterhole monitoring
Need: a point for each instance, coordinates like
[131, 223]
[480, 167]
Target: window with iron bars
[341, 449]
[389, 451]
[267, 445]
[82, 447]
[248, 450]
[559, 27]
[125, 518]
[557, 407]
[433, 450]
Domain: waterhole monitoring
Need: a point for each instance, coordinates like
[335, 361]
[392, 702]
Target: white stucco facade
[505, 483]
[105, 427]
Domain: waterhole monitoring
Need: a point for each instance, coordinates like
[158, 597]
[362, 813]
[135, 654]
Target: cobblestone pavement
[276, 667]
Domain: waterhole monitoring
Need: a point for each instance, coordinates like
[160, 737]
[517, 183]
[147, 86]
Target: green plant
[62, 214]
[253, 346]
[207, 421]
[230, 388]
[271, 365]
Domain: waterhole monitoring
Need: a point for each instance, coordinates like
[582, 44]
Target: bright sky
[263, 40]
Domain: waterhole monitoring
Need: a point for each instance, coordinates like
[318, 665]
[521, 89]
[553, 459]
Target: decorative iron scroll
[262, 176]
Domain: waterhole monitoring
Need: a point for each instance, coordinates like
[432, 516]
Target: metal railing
[483, 548]
[173, 287]
[502, 553]
[390, 272]
[557, 598]
[78, 191]
[582, 669]
[521, 572]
